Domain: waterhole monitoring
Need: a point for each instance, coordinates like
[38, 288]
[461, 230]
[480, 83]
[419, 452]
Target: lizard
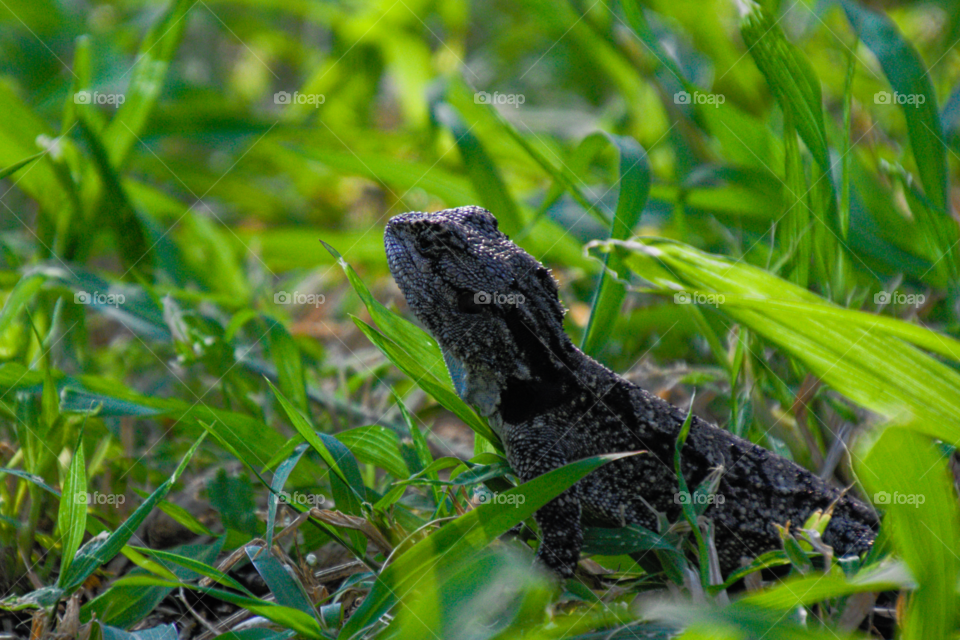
[496, 314]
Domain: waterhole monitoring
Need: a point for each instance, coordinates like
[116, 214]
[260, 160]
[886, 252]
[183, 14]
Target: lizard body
[496, 314]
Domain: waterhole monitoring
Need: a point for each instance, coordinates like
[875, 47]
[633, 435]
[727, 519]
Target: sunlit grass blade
[16, 166]
[21, 295]
[911, 480]
[376, 445]
[790, 77]
[853, 352]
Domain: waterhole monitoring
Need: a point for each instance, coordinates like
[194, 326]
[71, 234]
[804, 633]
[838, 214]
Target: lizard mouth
[398, 255]
[401, 260]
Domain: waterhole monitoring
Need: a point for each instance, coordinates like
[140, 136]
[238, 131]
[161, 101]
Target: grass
[208, 417]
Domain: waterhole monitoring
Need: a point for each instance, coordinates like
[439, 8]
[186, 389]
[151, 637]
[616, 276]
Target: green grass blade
[194, 565]
[338, 458]
[376, 445]
[16, 166]
[346, 482]
[98, 552]
[146, 81]
[910, 479]
[483, 173]
[72, 517]
[850, 351]
[295, 619]
[909, 78]
[288, 590]
[797, 89]
[279, 480]
[114, 209]
[464, 536]
[410, 361]
[286, 358]
[23, 292]
[634, 181]
[813, 588]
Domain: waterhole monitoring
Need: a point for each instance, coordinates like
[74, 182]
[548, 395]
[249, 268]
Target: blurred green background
[169, 169]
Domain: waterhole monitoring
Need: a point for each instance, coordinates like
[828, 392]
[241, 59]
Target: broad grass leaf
[407, 360]
[338, 458]
[276, 487]
[910, 480]
[863, 356]
[815, 587]
[196, 565]
[623, 540]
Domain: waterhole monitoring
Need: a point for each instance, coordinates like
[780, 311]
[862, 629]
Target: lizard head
[491, 306]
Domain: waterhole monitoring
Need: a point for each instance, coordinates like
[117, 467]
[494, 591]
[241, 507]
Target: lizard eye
[470, 302]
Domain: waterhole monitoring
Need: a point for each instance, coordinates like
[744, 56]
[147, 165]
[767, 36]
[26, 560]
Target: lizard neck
[548, 373]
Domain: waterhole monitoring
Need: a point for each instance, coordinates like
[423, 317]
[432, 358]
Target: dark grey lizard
[495, 312]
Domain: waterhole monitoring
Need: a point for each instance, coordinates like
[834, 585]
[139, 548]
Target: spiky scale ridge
[495, 312]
